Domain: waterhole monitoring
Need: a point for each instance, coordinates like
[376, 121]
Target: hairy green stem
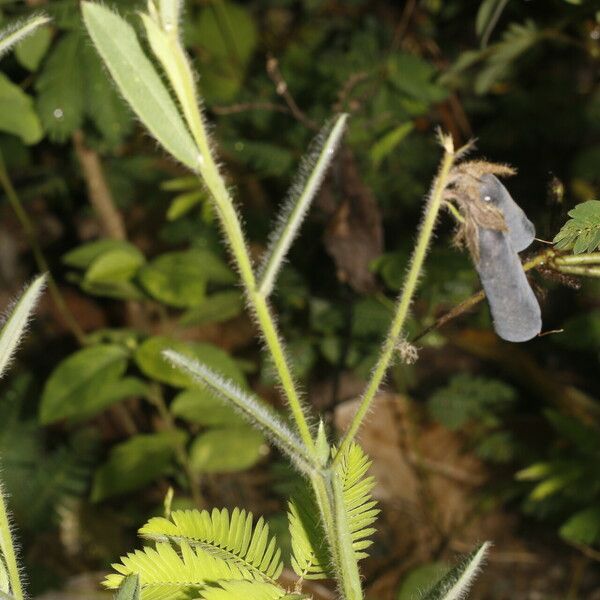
[329, 495]
[38, 255]
[405, 300]
[184, 85]
[8, 551]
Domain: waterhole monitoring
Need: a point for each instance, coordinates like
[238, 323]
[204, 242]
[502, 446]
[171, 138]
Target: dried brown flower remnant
[464, 189]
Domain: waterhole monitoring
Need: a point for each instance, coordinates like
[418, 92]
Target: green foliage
[420, 580]
[129, 588]
[566, 486]
[19, 31]
[134, 463]
[10, 336]
[310, 557]
[467, 398]
[581, 232]
[234, 538]
[228, 449]
[86, 383]
[17, 115]
[196, 548]
[228, 34]
[457, 582]
[180, 278]
[31, 50]
[149, 358]
[139, 82]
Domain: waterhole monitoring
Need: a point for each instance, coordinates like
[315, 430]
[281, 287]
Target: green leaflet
[180, 278]
[17, 115]
[31, 50]
[215, 308]
[233, 538]
[138, 81]
[583, 527]
[200, 406]
[248, 590]
[581, 232]
[226, 450]
[82, 384]
[129, 589]
[135, 463]
[152, 363]
[60, 100]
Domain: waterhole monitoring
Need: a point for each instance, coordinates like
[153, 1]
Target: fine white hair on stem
[251, 408]
[457, 583]
[17, 319]
[308, 180]
[170, 14]
[19, 30]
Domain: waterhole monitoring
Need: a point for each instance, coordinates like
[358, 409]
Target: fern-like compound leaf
[456, 584]
[581, 232]
[361, 509]
[310, 558]
[129, 588]
[232, 538]
[169, 574]
[248, 590]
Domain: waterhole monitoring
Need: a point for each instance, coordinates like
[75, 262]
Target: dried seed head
[465, 190]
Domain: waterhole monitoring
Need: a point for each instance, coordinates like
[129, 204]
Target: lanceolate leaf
[17, 113]
[456, 584]
[138, 81]
[15, 324]
[19, 31]
[232, 538]
[60, 101]
[311, 174]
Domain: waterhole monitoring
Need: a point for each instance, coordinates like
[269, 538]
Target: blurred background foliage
[95, 427]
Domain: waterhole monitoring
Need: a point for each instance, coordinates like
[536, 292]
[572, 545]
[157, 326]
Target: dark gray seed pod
[521, 231]
[515, 309]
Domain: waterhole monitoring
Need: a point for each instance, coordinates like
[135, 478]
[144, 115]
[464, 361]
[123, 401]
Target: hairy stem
[404, 302]
[38, 255]
[184, 85]
[8, 551]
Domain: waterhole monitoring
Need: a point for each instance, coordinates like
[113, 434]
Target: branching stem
[405, 300]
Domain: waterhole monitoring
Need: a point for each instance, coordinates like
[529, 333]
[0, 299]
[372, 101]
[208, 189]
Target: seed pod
[514, 307]
[521, 231]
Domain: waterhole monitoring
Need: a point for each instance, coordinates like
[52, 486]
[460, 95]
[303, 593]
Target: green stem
[581, 271]
[405, 300]
[590, 258]
[8, 551]
[38, 255]
[183, 83]
[329, 497]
